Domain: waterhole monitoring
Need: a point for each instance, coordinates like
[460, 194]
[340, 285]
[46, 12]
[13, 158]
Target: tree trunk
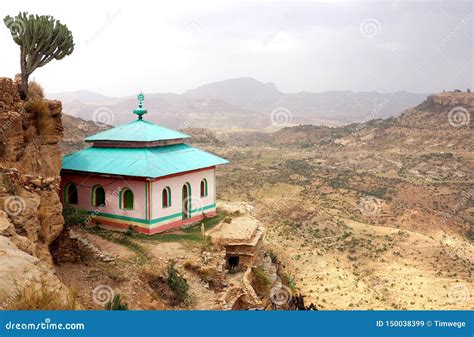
[24, 86]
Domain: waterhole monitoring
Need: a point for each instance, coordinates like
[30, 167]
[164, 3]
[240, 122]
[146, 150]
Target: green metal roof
[140, 162]
[137, 131]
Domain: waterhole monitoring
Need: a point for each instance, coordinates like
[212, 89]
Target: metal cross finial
[141, 98]
[140, 111]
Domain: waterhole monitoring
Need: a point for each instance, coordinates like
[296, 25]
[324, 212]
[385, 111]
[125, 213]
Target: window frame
[122, 199]
[168, 194]
[203, 192]
[93, 196]
[67, 195]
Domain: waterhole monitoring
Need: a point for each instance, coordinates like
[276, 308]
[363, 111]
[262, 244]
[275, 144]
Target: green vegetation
[178, 285]
[116, 304]
[41, 39]
[260, 281]
[8, 184]
[289, 281]
[378, 193]
[121, 239]
[470, 235]
[74, 216]
[337, 183]
[189, 234]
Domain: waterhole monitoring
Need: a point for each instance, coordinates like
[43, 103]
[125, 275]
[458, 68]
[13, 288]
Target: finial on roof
[140, 111]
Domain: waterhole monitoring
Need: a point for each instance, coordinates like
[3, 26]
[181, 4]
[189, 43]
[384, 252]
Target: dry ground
[127, 274]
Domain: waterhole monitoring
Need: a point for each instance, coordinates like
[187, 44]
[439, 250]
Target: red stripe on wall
[159, 229]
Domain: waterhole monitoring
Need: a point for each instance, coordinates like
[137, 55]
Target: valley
[378, 215]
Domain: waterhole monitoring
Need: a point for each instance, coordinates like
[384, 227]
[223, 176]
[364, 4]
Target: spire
[140, 111]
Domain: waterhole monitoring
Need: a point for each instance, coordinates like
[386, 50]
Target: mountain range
[240, 103]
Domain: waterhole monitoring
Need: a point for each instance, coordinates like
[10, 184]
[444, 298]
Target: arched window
[70, 194]
[98, 196]
[203, 188]
[126, 199]
[166, 197]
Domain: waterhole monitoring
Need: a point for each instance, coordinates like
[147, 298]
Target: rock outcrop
[31, 212]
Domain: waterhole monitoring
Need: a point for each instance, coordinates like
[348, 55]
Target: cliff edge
[30, 209]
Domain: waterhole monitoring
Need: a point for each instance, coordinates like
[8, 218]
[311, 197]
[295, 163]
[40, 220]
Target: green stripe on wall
[149, 222]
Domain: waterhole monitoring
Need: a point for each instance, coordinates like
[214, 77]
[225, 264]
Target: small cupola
[138, 133]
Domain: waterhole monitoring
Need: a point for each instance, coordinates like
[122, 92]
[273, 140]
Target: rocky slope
[75, 131]
[378, 215]
[30, 215]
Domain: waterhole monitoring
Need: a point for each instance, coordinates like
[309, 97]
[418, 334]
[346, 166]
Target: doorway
[186, 201]
[233, 262]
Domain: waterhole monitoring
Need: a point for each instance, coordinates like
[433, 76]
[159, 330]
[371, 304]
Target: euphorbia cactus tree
[41, 39]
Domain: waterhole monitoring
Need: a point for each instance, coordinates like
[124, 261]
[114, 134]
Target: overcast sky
[124, 47]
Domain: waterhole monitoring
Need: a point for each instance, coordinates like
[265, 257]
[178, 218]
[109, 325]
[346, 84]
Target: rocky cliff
[30, 209]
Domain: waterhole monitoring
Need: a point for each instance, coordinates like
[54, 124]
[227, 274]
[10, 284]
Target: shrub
[260, 281]
[32, 297]
[9, 185]
[74, 216]
[116, 304]
[178, 284]
[289, 281]
[470, 235]
[35, 90]
[38, 107]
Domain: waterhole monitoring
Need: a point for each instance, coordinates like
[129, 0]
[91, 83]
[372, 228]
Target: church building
[142, 176]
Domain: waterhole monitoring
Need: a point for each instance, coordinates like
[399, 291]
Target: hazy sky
[124, 47]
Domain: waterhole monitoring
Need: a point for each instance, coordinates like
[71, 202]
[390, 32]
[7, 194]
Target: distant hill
[330, 107]
[246, 93]
[241, 103]
[83, 96]
[75, 130]
[442, 121]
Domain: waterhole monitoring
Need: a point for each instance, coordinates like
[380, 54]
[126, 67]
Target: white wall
[176, 185]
